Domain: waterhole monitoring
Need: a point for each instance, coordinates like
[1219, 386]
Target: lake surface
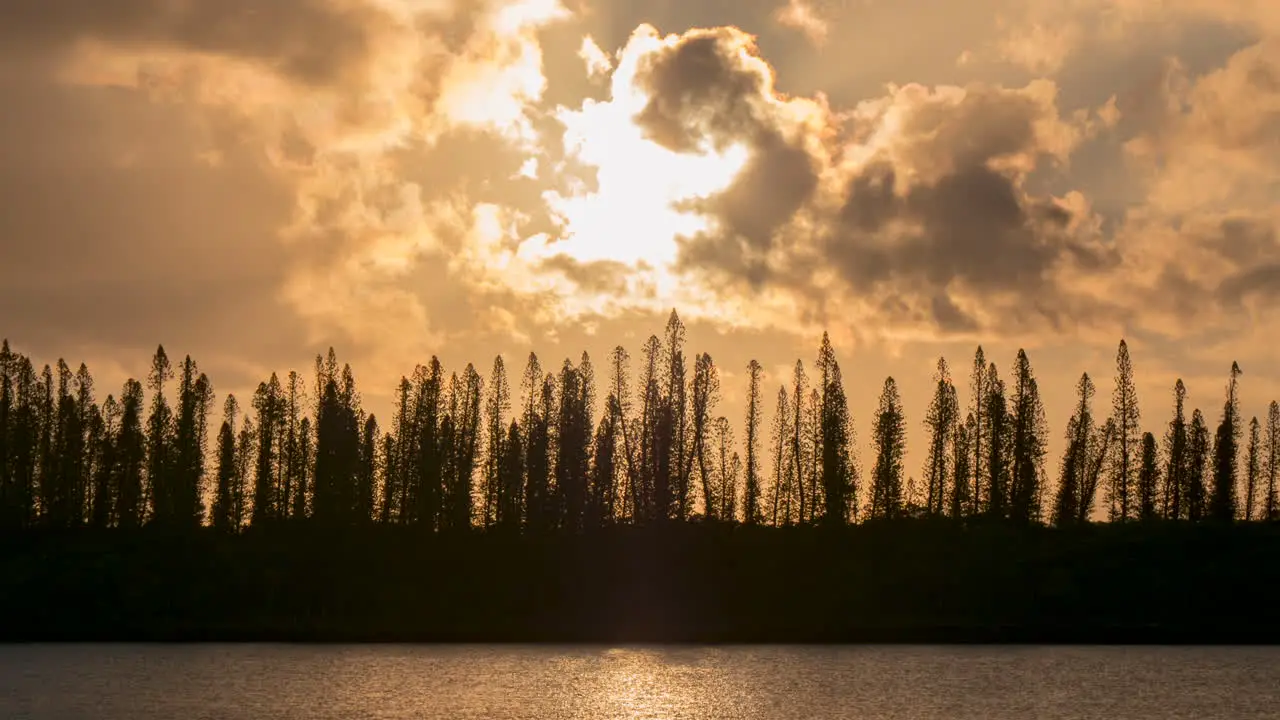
[262, 682]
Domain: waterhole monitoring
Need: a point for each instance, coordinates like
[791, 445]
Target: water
[140, 682]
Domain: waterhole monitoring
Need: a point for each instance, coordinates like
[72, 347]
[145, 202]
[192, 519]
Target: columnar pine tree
[889, 439]
[1177, 458]
[1027, 440]
[1271, 464]
[706, 394]
[195, 402]
[941, 420]
[57, 490]
[999, 445]
[539, 453]
[46, 449]
[222, 511]
[620, 409]
[1148, 480]
[839, 478]
[1124, 463]
[132, 451]
[367, 472]
[978, 439]
[1225, 455]
[1197, 467]
[798, 462]
[1098, 453]
[813, 450]
[159, 438]
[306, 462]
[497, 405]
[1253, 469]
[537, 445]
[960, 503]
[246, 443]
[1076, 457]
[268, 405]
[780, 493]
[674, 441]
[293, 455]
[87, 418]
[573, 448]
[465, 400]
[751, 511]
[429, 448]
[602, 492]
[655, 430]
[106, 463]
[511, 507]
[725, 468]
[335, 499]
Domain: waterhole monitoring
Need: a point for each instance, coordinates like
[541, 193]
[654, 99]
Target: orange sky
[250, 182]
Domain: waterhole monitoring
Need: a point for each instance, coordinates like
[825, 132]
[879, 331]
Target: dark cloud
[606, 277]
[311, 40]
[941, 201]
[701, 91]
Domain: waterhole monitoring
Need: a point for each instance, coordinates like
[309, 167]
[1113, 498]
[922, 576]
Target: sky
[251, 182]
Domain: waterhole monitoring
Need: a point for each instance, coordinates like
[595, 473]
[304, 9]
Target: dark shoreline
[906, 582]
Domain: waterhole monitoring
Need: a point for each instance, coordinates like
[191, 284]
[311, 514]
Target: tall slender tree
[941, 421]
[222, 511]
[1222, 503]
[267, 404]
[602, 493]
[1148, 480]
[1253, 469]
[834, 446]
[160, 439]
[1271, 463]
[1124, 463]
[675, 421]
[962, 483]
[511, 506]
[1076, 458]
[1098, 454]
[573, 447]
[497, 405]
[105, 450]
[979, 392]
[799, 463]
[1177, 457]
[780, 493]
[132, 449]
[195, 402]
[999, 445]
[706, 394]
[751, 511]
[1028, 441]
[889, 438]
[1197, 467]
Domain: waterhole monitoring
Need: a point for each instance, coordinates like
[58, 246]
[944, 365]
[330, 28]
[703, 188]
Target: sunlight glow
[631, 217]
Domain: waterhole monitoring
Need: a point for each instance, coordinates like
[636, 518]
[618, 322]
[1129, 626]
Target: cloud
[315, 41]
[912, 210]
[1202, 248]
[801, 15]
[599, 64]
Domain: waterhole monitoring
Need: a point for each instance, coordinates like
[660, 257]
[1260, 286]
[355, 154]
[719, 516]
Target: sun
[631, 215]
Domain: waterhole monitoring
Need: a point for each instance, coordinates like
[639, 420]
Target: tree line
[464, 452]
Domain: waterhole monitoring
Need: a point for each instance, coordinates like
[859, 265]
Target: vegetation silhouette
[615, 510]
